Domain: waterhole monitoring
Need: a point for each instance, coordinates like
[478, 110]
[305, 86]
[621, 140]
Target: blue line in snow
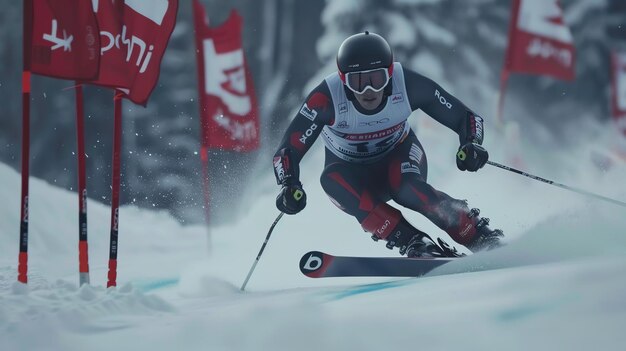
[149, 285]
[364, 289]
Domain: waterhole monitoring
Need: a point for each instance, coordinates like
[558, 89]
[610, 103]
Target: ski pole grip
[298, 194]
[461, 155]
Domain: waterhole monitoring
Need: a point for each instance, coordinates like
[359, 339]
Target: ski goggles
[375, 79]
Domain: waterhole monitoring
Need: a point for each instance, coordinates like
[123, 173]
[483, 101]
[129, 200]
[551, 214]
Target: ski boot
[421, 245]
[485, 238]
[412, 242]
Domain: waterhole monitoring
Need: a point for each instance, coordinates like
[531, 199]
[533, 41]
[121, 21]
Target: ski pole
[267, 238]
[580, 191]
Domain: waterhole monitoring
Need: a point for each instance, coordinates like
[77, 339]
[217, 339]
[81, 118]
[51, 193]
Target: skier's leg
[407, 176]
[349, 188]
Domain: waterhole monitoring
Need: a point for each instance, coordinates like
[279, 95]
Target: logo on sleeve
[317, 102]
[477, 128]
[442, 99]
[307, 112]
[308, 133]
[278, 168]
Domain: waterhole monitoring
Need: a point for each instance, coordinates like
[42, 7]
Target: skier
[373, 156]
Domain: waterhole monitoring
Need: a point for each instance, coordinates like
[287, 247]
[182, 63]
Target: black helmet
[363, 51]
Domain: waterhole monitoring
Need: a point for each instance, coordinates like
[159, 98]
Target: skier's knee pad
[382, 220]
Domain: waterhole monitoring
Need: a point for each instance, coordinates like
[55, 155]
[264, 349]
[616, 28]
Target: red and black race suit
[394, 167]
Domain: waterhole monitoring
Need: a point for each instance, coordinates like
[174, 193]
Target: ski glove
[471, 157]
[292, 199]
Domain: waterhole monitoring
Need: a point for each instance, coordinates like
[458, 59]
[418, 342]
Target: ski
[316, 264]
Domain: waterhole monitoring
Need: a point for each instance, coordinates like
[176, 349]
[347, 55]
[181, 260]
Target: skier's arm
[315, 112]
[425, 94]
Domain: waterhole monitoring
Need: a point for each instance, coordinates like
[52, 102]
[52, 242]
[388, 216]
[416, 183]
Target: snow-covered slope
[558, 284]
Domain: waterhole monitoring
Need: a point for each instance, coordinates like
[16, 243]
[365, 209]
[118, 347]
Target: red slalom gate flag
[134, 36]
[61, 39]
[618, 91]
[228, 103]
[539, 41]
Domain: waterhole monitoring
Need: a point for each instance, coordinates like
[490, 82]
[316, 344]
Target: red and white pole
[83, 252]
[115, 189]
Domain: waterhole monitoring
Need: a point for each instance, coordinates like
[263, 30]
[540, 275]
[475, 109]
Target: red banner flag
[134, 36]
[228, 102]
[61, 39]
[618, 91]
[539, 41]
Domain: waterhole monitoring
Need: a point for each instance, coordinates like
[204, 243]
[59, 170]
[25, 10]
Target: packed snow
[559, 283]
